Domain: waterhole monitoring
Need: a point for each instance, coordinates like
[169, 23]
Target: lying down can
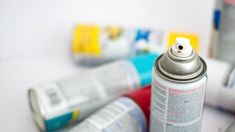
[57, 104]
[221, 85]
[129, 113]
[94, 45]
[178, 87]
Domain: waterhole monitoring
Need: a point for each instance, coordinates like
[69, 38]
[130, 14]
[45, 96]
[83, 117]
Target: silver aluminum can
[69, 100]
[64, 102]
[178, 82]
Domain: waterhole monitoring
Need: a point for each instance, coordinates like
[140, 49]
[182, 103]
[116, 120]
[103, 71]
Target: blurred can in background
[57, 104]
[178, 89]
[93, 45]
[231, 128]
[225, 40]
[221, 85]
[129, 113]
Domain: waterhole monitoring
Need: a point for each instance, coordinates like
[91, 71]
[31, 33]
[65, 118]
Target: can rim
[157, 70]
[38, 111]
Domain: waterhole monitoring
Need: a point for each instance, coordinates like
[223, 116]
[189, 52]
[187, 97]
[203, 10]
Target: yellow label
[86, 40]
[75, 116]
[194, 39]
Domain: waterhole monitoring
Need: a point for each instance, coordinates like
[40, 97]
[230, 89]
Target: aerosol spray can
[94, 44]
[221, 85]
[225, 41]
[129, 113]
[178, 87]
[57, 104]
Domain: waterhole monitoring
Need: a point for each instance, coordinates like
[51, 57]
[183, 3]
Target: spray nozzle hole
[180, 47]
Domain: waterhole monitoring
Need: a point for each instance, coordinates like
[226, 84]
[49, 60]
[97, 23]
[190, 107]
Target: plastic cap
[182, 47]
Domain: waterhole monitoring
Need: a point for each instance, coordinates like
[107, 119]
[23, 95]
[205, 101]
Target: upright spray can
[178, 88]
[57, 104]
[129, 113]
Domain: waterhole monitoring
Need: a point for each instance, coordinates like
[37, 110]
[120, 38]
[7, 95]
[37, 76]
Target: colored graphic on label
[148, 41]
[113, 32]
[217, 15]
[142, 35]
[194, 39]
[86, 40]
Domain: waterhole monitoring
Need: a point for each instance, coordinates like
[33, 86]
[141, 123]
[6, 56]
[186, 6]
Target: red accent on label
[232, 2]
[142, 97]
[175, 91]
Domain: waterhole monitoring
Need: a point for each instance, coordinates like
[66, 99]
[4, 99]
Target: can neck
[180, 63]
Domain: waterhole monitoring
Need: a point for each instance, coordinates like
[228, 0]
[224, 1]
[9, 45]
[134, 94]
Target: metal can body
[178, 87]
[73, 98]
[221, 85]
[57, 104]
[129, 113]
[122, 115]
[177, 107]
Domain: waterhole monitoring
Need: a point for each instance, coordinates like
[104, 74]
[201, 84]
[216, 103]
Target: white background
[35, 39]
[45, 27]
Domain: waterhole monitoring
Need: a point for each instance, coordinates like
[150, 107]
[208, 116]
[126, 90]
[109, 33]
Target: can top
[144, 65]
[180, 63]
[142, 98]
[182, 47]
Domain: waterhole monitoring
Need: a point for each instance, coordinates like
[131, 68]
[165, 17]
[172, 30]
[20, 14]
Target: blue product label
[142, 35]
[144, 65]
[217, 14]
[147, 41]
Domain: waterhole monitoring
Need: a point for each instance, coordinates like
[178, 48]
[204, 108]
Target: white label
[177, 107]
[88, 87]
[52, 99]
[115, 44]
[109, 80]
[147, 41]
[123, 115]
